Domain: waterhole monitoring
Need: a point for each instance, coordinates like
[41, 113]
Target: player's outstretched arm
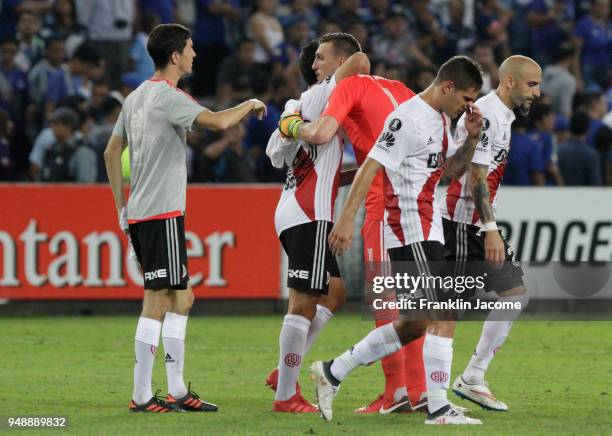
[320, 131]
[342, 232]
[112, 160]
[457, 164]
[221, 120]
[357, 63]
[477, 182]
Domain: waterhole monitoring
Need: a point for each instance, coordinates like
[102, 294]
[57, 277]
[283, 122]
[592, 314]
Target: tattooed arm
[477, 183]
[457, 164]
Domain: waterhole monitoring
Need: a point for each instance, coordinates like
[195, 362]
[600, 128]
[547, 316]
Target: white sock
[145, 347]
[292, 342]
[379, 343]
[438, 357]
[173, 336]
[494, 334]
[321, 318]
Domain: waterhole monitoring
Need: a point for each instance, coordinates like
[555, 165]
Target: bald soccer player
[468, 217]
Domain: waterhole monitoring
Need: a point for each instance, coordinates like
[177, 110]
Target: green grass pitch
[555, 376]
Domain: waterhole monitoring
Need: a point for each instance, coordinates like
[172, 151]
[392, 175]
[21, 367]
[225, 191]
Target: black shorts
[162, 253]
[311, 263]
[465, 249]
[424, 259]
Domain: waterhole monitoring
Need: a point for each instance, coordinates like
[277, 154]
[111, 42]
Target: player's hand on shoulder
[259, 108]
[473, 121]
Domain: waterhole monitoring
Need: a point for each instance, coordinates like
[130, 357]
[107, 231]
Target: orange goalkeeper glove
[289, 124]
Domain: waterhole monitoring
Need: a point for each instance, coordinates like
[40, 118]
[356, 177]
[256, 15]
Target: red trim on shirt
[306, 177]
[394, 216]
[161, 216]
[452, 197]
[161, 80]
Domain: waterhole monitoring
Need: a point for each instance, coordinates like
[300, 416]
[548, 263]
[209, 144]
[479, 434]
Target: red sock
[393, 368]
[414, 369]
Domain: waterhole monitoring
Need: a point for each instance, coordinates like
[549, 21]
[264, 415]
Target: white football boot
[479, 394]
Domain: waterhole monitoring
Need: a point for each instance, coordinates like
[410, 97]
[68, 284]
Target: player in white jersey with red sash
[470, 230]
[153, 124]
[303, 220]
[414, 149]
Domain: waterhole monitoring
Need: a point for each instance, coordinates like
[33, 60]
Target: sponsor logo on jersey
[430, 141]
[387, 138]
[395, 124]
[298, 274]
[435, 160]
[328, 79]
[157, 274]
[484, 139]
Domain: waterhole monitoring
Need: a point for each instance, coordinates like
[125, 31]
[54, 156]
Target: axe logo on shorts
[152, 275]
[298, 274]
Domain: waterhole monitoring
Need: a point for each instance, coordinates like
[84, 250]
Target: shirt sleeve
[397, 141]
[180, 108]
[342, 99]
[119, 129]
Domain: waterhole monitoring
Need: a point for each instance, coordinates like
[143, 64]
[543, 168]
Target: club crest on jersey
[395, 125]
[387, 138]
[435, 160]
[486, 124]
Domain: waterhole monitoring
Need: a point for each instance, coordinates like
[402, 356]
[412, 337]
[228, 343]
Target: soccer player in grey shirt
[153, 124]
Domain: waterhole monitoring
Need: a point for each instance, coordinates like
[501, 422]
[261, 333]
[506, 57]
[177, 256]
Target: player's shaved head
[516, 66]
[519, 82]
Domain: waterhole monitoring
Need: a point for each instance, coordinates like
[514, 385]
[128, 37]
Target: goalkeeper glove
[288, 125]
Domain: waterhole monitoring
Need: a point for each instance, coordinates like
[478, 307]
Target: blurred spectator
[38, 76]
[212, 41]
[100, 133]
[360, 31]
[109, 31]
[237, 73]
[346, 11]
[427, 29]
[458, 37]
[62, 22]
[69, 158]
[31, 46]
[266, 31]
[129, 82]
[397, 47]
[559, 83]
[141, 63]
[13, 82]
[46, 138]
[524, 166]
[551, 24]
[422, 78]
[593, 39]
[483, 54]
[301, 10]
[226, 160]
[76, 78]
[8, 18]
[163, 9]
[542, 134]
[578, 162]
[599, 135]
[297, 36]
[99, 92]
[7, 161]
[378, 11]
[329, 26]
[492, 25]
[259, 131]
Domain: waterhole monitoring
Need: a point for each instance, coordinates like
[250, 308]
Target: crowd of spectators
[67, 65]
